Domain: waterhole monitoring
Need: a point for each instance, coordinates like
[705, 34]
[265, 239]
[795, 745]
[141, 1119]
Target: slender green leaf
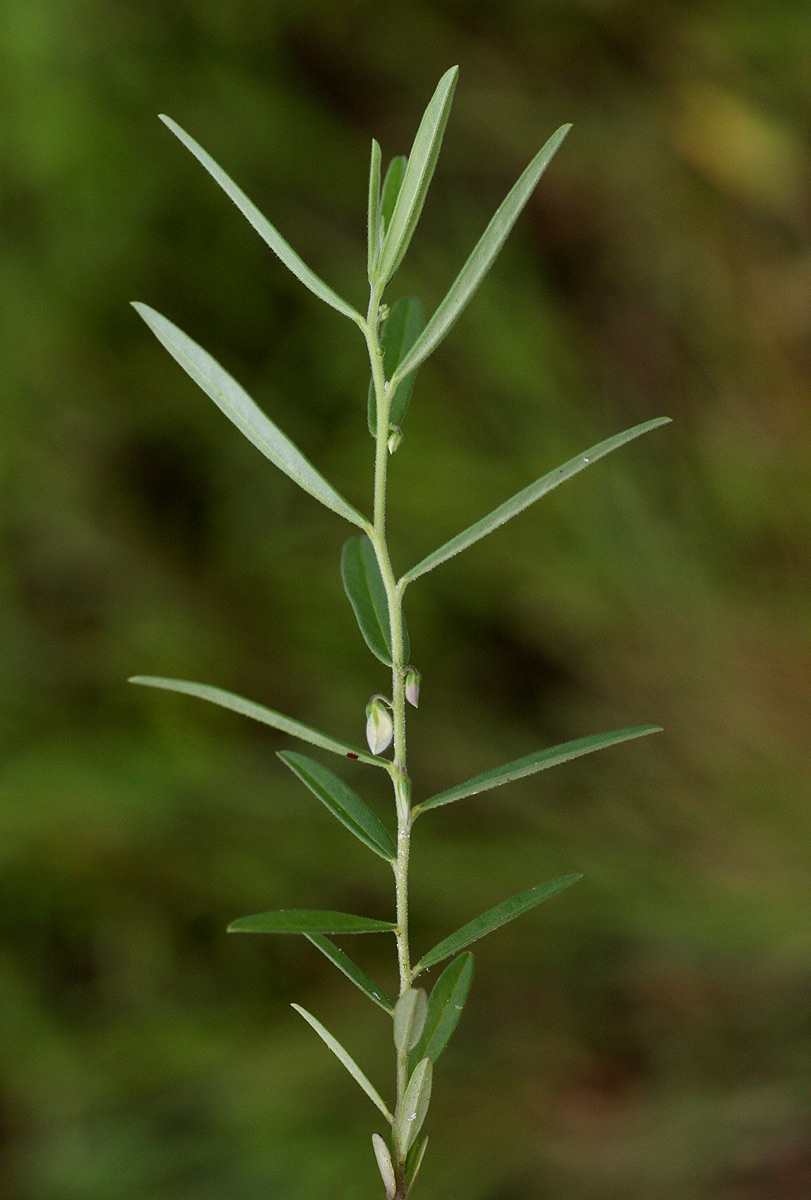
[351, 970]
[445, 1006]
[385, 1165]
[348, 1061]
[418, 175]
[414, 1161]
[238, 406]
[263, 227]
[410, 1013]
[392, 183]
[373, 215]
[364, 586]
[247, 708]
[308, 920]
[492, 919]
[539, 760]
[342, 802]
[415, 1105]
[482, 257]
[402, 327]
[521, 500]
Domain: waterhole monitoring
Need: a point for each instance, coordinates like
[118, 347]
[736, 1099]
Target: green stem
[399, 774]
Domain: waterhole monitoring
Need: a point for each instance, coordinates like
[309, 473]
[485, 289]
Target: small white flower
[413, 679]
[379, 727]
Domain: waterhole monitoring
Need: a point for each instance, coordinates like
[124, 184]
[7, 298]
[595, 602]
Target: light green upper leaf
[445, 1006]
[385, 1165]
[258, 712]
[264, 228]
[347, 1060]
[352, 971]
[342, 802]
[410, 1012]
[415, 1105]
[392, 182]
[373, 212]
[238, 406]
[539, 760]
[402, 327]
[481, 259]
[492, 919]
[418, 175]
[308, 920]
[521, 500]
[364, 586]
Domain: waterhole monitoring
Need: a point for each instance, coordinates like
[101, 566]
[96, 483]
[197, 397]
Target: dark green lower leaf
[492, 919]
[400, 331]
[342, 802]
[351, 970]
[539, 760]
[414, 1161]
[308, 920]
[445, 1006]
[258, 712]
[364, 586]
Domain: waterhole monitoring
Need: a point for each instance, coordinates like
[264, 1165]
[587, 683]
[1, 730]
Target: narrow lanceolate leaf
[263, 227]
[521, 500]
[364, 586]
[445, 1006]
[373, 212]
[539, 760]
[385, 1165]
[392, 182]
[342, 802]
[414, 1161]
[415, 1105]
[492, 919]
[348, 1061]
[482, 257]
[238, 406]
[351, 970]
[308, 920]
[258, 712]
[402, 327]
[418, 175]
[410, 1013]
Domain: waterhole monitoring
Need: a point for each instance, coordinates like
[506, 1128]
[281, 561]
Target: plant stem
[399, 774]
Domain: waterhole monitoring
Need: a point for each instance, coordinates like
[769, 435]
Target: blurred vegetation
[647, 1034]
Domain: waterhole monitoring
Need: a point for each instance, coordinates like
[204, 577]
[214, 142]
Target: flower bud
[395, 438]
[413, 679]
[379, 727]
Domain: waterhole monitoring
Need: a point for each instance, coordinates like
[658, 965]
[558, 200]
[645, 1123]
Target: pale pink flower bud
[379, 727]
[413, 679]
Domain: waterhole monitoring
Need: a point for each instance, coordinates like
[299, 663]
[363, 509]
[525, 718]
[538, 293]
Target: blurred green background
[645, 1035]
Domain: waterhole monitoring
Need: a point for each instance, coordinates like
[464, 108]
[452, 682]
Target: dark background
[646, 1035]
